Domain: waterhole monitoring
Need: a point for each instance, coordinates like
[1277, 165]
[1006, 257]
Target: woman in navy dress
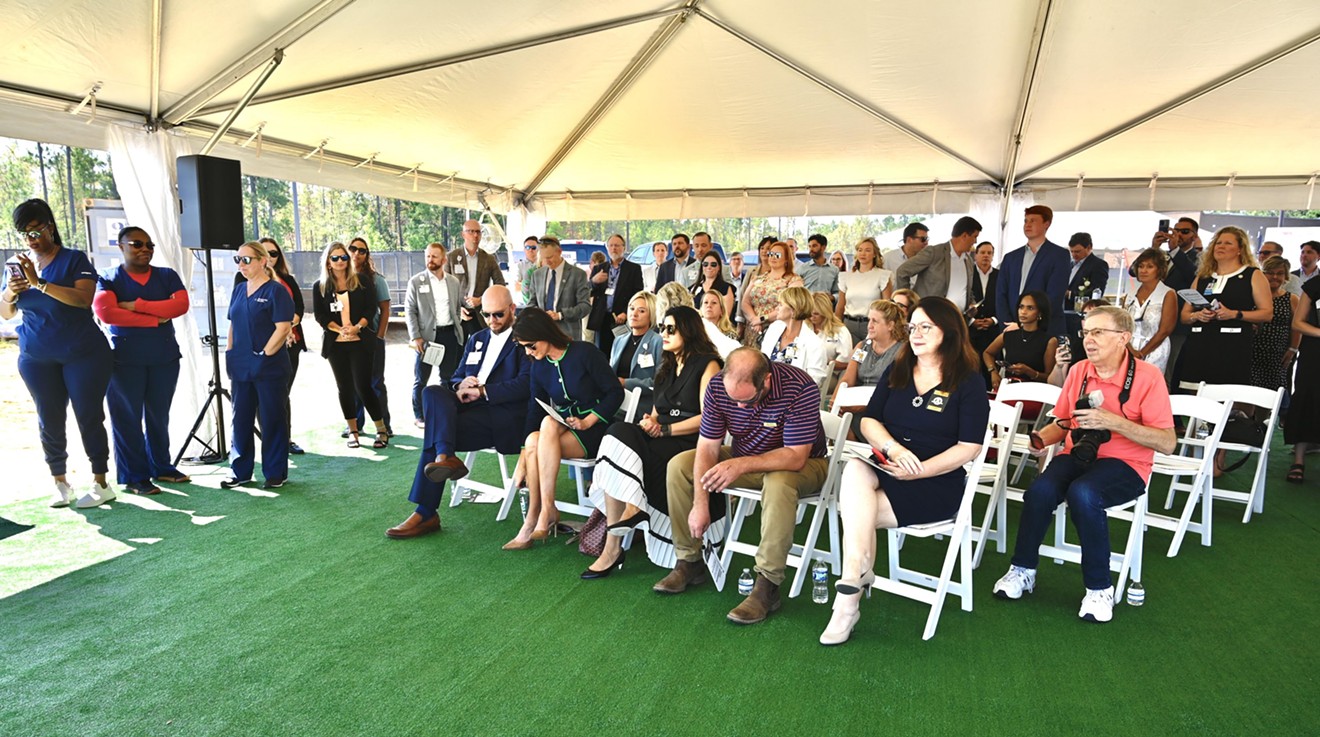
[927, 417]
[575, 378]
[62, 356]
[260, 317]
[139, 302]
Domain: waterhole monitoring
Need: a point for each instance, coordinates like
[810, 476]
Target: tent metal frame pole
[1178, 102]
[243, 103]
[319, 13]
[847, 96]
[156, 26]
[466, 56]
[640, 61]
[1023, 112]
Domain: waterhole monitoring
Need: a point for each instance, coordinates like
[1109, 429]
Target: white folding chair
[578, 468]
[924, 587]
[468, 484]
[1193, 462]
[1126, 563]
[1258, 397]
[1004, 419]
[851, 396]
[826, 504]
[1028, 391]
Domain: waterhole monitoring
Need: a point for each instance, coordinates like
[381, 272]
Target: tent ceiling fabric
[712, 126]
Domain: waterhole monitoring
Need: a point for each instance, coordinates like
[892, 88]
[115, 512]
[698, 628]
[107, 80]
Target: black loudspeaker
[210, 202]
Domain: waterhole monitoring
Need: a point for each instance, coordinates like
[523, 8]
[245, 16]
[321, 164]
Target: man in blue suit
[1042, 266]
[484, 409]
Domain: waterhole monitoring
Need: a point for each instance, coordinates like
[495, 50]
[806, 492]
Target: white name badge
[459, 269]
[336, 307]
[645, 360]
[609, 292]
[1196, 330]
[474, 358]
[426, 289]
[1231, 330]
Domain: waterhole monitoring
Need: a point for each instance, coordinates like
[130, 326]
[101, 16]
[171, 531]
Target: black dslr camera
[1086, 443]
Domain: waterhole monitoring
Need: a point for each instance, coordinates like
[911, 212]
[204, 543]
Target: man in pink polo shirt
[1106, 469]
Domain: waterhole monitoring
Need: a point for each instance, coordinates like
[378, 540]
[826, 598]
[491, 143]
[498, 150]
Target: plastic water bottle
[1136, 595]
[745, 583]
[522, 502]
[820, 577]
[1202, 431]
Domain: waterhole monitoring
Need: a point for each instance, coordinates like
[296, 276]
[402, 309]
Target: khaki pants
[779, 498]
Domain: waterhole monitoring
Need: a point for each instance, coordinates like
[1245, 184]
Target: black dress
[1270, 344]
[941, 420]
[1219, 352]
[1027, 347]
[1303, 423]
[632, 466]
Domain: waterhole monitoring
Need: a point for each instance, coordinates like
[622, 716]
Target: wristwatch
[1239, 314]
[41, 285]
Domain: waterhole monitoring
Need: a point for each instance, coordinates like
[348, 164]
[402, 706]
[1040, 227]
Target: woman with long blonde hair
[867, 282]
[344, 305]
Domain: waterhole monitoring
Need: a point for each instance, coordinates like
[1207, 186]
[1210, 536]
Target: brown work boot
[686, 573]
[763, 601]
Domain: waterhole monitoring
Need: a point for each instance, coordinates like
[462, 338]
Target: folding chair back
[1195, 461]
[851, 396]
[579, 468]
[1272, 401]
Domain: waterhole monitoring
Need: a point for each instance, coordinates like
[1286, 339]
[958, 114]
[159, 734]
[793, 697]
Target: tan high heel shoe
[844, 619]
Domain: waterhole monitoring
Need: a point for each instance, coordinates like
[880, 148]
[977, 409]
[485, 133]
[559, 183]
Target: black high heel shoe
[624, 526]
[591, 575]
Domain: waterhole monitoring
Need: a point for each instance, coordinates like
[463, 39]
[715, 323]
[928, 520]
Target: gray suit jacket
[651, 346]
[419, 306]
[932, 264]
[572, 297]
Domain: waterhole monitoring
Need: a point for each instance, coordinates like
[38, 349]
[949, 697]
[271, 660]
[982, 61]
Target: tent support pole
[156, 23]
[1030, 76]
[243, 103]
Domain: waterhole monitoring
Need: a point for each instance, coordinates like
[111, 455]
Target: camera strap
[1126, 392]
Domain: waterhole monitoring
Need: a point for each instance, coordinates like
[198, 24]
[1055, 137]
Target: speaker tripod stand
[216, 392]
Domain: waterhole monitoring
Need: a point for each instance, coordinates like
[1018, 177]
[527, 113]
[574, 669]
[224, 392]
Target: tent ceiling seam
[843, 94]
[445, 61]
[1178, 102]
[630, 74]
[1030, 75]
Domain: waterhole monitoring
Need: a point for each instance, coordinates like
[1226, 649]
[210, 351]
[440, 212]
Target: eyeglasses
[472, 230]
[527, 346]
[530, 247]
[668, 329]
[1184, 231]
[923, 328]
[339, 258]
[498, 315]
[775, 255]
[32, 235]
[245, 260]
[273, 254]
[140, 244]
[358, 249]
[1095, 332]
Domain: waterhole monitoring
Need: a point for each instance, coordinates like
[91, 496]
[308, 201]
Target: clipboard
[1194, 298]
[550, 410]
[620, 330]
[433, 354]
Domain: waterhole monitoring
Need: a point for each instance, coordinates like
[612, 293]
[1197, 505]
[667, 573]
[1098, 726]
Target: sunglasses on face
[923, 238]
[141, 244]
[1184, 231]
[273, 254]
[527, 346]
[711, 265]
[776, 255]
[339, 258]
[32, 235]
[358, 249]
[669, 330]
[529, 248]
[498, 314]
[245, 260]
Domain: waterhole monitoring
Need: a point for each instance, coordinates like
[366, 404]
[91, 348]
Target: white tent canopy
[705, 108]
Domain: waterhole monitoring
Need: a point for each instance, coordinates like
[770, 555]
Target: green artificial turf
[292, 614]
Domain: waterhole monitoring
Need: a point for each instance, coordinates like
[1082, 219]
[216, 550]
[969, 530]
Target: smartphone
[879, 457]
[15, 270]
[1164, 225]
[1065, 346]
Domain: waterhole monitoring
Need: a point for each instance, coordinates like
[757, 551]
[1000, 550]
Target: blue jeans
[1089, 491]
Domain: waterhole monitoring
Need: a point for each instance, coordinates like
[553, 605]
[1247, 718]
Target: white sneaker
[96, 496]
[64, 495]
[1098, 606]
[1016, 581]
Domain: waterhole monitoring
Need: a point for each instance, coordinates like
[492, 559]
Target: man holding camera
[1113, 414]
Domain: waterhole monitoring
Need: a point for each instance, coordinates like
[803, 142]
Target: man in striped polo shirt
[772, 412]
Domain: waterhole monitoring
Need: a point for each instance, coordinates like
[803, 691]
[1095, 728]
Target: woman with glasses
[634, 359]
[138, 302]
[1269, 354]
[344, 306]
[867, 282]
[790, 339]
[1153, 307]
[712, 280]
[926, 419]
[1029, 351]
[257, 359]
[760, 300]
[62, 357]
[839, 261]
[629, 479]
[295, 342]
[906, 299]
[574, 378]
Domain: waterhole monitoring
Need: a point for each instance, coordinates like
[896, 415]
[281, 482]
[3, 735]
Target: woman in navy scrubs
[63, 358]
[260, 318]
[575, 378]
[138, 302]
[927, 418]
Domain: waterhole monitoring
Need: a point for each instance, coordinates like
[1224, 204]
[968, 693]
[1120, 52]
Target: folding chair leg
[836, 547]
[942, 588]
[509, 495]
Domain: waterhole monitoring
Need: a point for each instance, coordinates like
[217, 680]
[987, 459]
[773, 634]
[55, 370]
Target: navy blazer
[644, 376]
[507, 388]
[1049, 274]
[579, 384]
[1095, 270]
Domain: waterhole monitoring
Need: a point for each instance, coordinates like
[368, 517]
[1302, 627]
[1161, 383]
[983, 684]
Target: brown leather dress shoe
[684, 575]
[414, 526]
[450, 469]
[763, 601]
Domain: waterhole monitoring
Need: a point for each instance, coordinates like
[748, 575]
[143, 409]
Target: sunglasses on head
[140, 244]
[245, 260]
[339, 258]
[498, 314]
[668, 330]
[358, 249]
